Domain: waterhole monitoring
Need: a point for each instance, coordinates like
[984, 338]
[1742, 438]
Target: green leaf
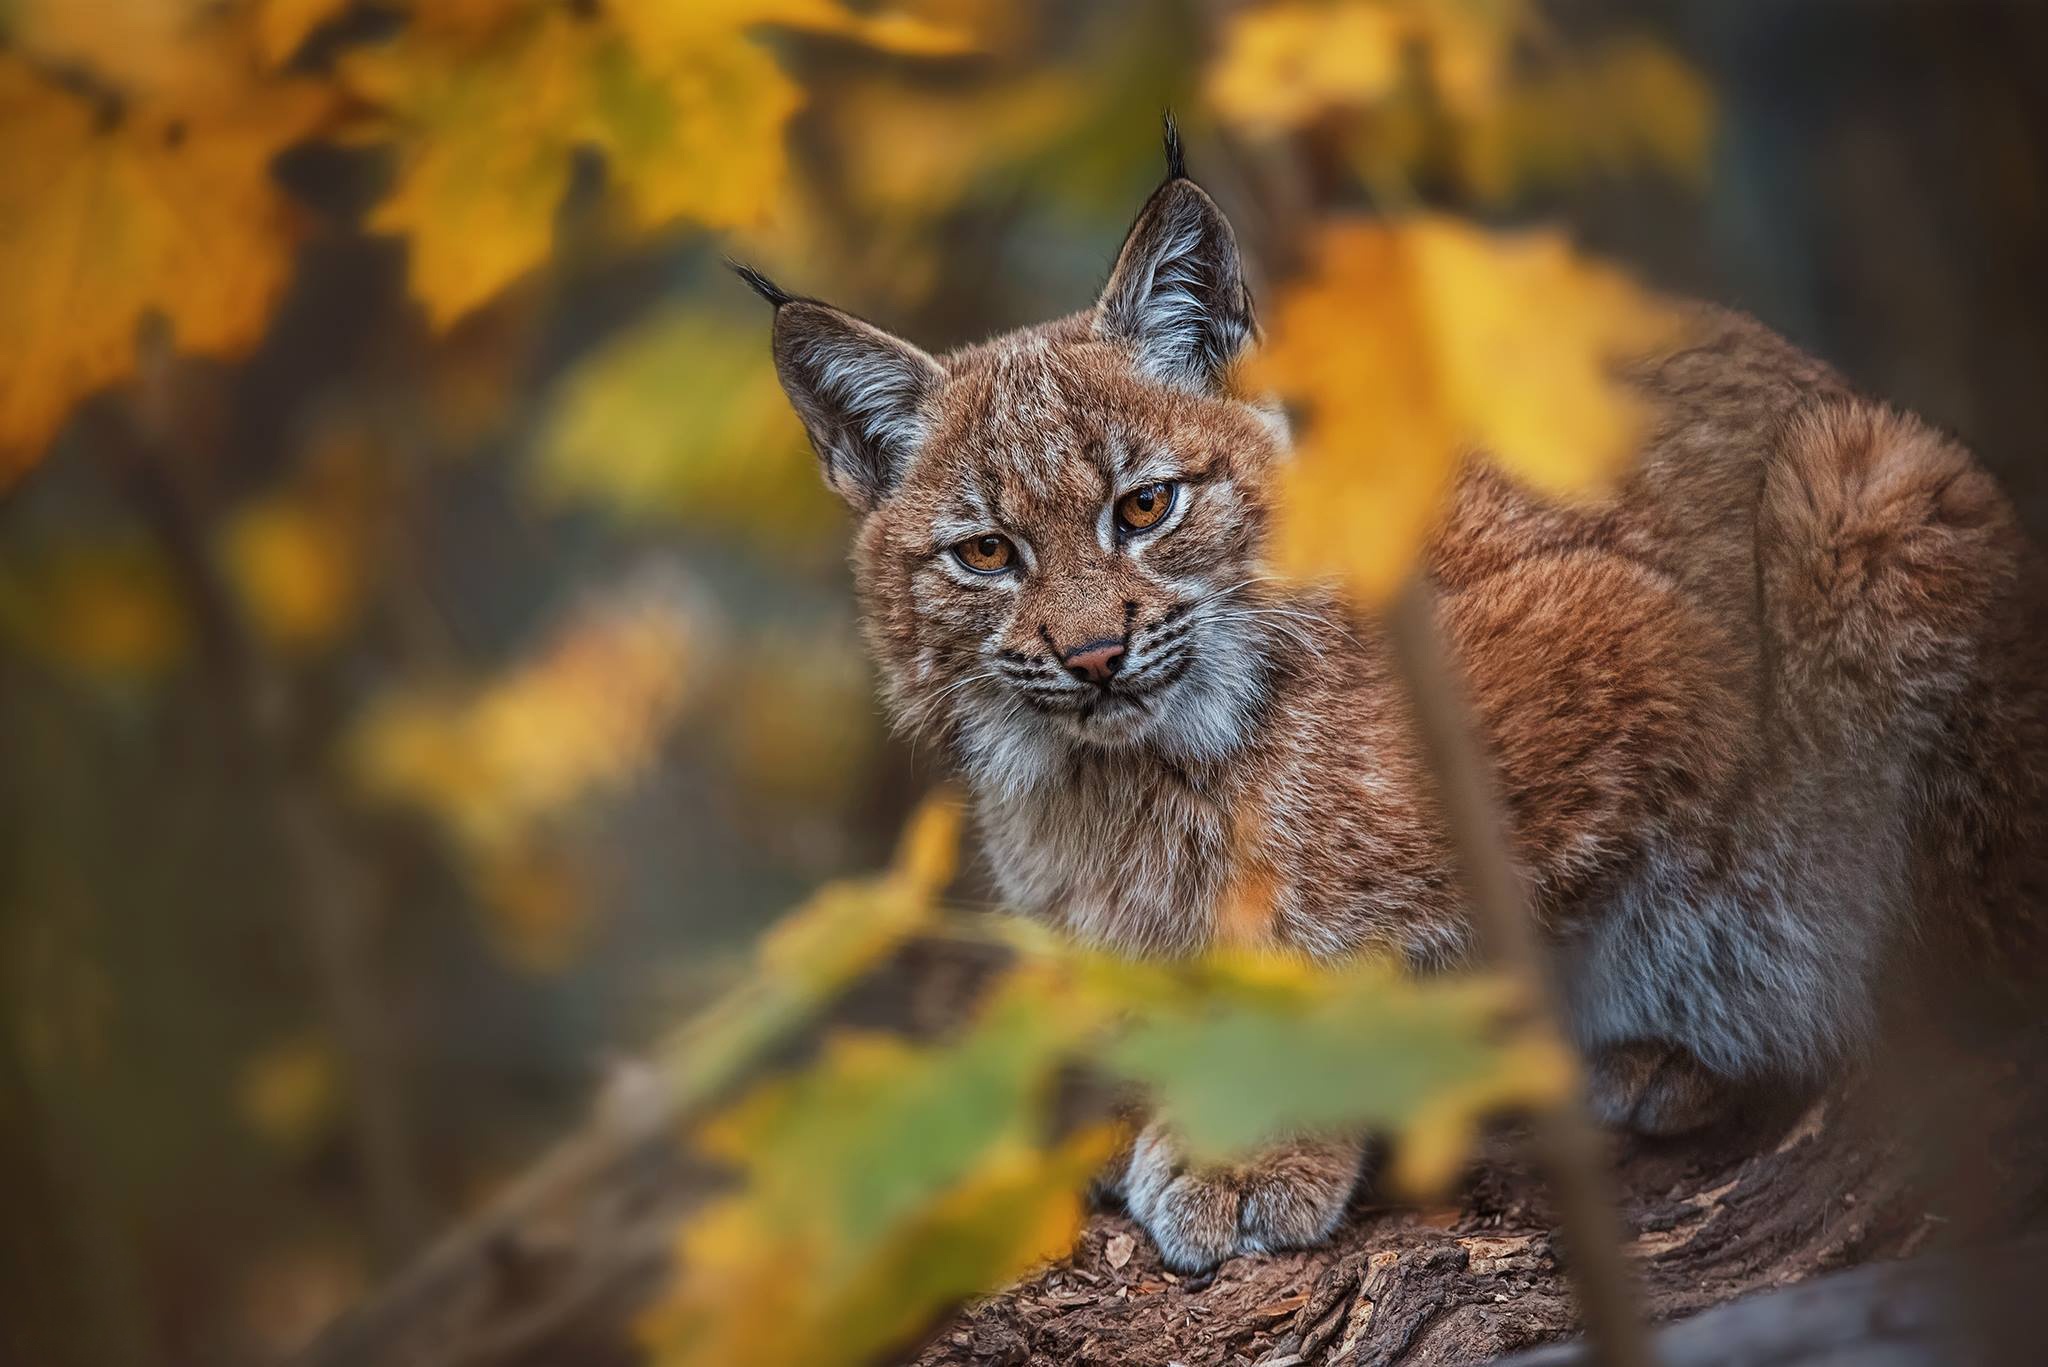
[1250, 1050]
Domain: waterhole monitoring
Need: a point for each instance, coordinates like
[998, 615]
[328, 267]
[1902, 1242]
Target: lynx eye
[1145, 507]
[986, 554]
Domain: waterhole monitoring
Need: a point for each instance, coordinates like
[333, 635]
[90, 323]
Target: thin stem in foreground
[1566, 1143]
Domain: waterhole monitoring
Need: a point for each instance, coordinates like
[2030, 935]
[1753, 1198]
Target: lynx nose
[1097, 662]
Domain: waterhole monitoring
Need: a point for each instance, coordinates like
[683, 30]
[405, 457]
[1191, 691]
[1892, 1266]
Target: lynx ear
[860, 392]
[1177, 296]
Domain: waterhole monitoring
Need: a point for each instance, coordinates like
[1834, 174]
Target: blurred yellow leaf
[487, 117]
[1527, 1072]
[1410, 344]
[109, 216]
[296, 569]
[282, 26]
[1628, 103]
[682, 417]
[138, 45]
[1281, 66]
[1474, 93]
[581, 717]
[880, 1187]
[104, 608]
[287, 1094]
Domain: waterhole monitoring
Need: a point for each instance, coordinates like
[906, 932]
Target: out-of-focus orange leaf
[686, 106]
[299, 556]
[1410, 344]
[1283, 65]
[136, 45]
[506, 768]
[282, 26]
[1435, 87]
[581, 717]
[108, 217]
[297, 570]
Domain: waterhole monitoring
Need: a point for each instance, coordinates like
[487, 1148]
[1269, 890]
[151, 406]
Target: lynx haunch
[1767, 714]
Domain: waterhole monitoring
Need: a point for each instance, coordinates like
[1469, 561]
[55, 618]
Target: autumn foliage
[156, 215]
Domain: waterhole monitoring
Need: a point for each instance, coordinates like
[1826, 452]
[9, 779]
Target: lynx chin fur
[1766, 714]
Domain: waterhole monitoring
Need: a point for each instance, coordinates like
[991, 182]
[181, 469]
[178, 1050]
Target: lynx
[1762, 717]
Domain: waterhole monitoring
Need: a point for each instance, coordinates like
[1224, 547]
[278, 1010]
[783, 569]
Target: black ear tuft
[1177, 296]
[1176, 160]
[862, 395]
[761, 284]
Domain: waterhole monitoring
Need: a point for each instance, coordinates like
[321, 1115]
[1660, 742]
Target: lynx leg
[1654, 1089]
[1287, 1196]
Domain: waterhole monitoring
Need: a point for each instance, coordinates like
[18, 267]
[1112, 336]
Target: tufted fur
[1763, 716]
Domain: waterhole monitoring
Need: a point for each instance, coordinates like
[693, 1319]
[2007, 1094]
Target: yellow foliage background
[426, 663]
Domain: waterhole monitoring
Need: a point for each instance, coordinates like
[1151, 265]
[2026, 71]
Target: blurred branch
[1569, 1148]
[257, 728]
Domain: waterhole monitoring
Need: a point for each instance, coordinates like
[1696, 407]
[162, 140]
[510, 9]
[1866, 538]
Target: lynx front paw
[1654, 1089]
[1288, 1196]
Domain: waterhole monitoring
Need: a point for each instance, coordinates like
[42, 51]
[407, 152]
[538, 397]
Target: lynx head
[1060, 529]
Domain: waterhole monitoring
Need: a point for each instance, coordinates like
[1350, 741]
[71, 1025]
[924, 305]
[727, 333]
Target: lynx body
[1762, 716]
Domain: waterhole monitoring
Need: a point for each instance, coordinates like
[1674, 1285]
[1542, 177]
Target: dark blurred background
[398, 726]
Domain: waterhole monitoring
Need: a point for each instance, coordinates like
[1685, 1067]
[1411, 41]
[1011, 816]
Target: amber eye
[986, 554]
[1145, 507]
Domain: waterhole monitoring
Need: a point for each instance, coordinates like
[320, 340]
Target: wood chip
[1286, 1305]
[1118, 1250]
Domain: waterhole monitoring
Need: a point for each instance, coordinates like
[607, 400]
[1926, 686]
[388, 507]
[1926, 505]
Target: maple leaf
[161, 209]
[1411, 344]
[487, 115]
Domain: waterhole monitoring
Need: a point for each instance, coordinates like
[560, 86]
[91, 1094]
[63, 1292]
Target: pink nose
[1097, 662]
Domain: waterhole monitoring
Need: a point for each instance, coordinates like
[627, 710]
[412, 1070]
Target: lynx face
[1072, 554]
[1061, 529]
